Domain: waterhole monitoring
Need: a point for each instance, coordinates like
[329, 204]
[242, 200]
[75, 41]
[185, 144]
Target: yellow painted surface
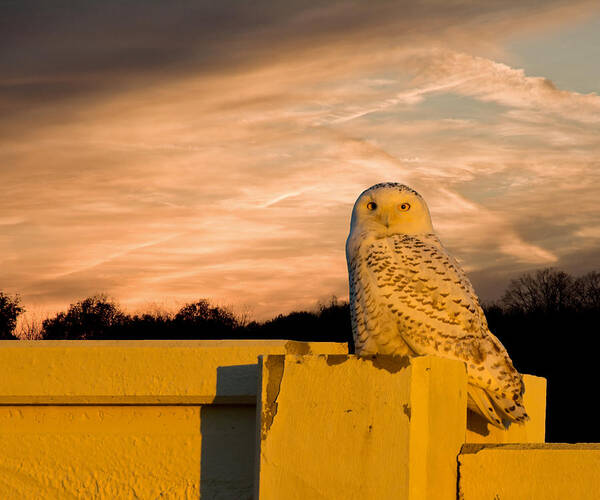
[139, 372]
[437, 426]
[179, 419]
[62, 452]
[530, 472]
[164, 435]
[354, 428]
[533, 431]
[99, 452]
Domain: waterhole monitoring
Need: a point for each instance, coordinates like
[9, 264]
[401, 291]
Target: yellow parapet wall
[372, 428]
[530, 472]
[283, 420]
[131, 419]
[354, 428]
[140, 371]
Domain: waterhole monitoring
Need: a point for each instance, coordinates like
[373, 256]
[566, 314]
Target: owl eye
[371, 205]
[404, 207]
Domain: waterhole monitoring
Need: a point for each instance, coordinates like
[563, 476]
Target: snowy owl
[409, 296]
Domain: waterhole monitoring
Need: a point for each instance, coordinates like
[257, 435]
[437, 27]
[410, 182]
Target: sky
[170, 151]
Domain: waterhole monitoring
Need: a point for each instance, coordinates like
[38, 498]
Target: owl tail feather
[511, 410]
[480, 402]
[498, 411]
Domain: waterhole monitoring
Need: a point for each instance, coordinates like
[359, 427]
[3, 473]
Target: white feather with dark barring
[409, 296]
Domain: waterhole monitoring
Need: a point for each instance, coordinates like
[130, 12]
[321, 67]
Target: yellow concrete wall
[110, 452]
[139, 419]
[180, 419]
[139, 372]
[354, 428]
[530, 472]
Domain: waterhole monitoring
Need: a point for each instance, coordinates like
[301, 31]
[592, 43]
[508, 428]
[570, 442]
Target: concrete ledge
[147, 372]
[529, 471]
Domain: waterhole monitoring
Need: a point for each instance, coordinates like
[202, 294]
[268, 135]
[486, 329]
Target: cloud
[61, 51]
[224, 164]
[487, 80]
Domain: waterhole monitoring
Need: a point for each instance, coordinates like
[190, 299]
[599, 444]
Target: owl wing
[437, 312]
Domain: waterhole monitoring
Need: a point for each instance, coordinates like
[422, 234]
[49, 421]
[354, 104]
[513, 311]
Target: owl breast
[375, 275]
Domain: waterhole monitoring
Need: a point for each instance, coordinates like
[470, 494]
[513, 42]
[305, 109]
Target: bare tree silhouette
[586, 291]
[548, 321]
[545, 291]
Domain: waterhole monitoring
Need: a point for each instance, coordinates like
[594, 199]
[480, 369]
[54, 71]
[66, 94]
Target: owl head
[391, 208]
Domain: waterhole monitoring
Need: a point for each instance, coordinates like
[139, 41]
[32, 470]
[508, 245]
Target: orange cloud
[235, 181]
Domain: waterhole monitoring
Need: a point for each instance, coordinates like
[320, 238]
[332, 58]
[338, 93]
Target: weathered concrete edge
[150, 400]
[474, 448]
[139, 372]
[289, 346]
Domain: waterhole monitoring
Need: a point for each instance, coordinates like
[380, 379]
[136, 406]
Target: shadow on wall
[477, 424]
[228, 437]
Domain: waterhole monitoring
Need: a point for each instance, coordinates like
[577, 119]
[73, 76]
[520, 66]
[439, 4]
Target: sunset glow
[157, 151]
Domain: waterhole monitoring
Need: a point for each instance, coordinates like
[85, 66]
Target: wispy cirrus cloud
[217, 166]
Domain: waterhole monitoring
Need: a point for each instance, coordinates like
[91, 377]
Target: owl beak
[386, 220]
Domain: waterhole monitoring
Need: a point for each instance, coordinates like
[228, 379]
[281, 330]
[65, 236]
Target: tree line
[548, 321]
[100, 318]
